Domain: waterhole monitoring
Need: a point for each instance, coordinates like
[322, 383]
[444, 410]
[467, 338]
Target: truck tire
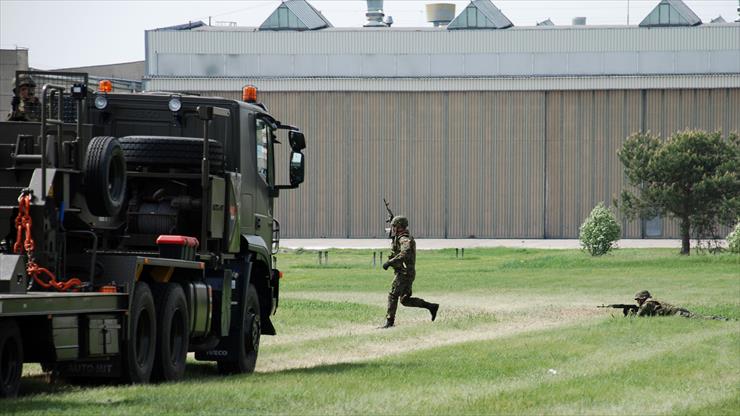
[167, 152]
[11, 358]
[173, 335]
[138, 353]
[105, 176]
[245, 337]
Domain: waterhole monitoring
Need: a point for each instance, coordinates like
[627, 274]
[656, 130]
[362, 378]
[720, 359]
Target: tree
[693, 177]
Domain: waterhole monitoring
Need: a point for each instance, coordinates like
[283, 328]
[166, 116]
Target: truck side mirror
[297, 168]
[297, 141]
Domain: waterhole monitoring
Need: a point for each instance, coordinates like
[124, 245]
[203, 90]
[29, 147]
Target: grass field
[517, 333]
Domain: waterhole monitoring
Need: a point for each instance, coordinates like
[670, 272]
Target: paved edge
[435, 244]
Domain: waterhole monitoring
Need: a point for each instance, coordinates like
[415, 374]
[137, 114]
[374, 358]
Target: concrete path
[433, 244]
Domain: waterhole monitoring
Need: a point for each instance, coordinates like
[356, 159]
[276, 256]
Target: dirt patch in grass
[461, 319]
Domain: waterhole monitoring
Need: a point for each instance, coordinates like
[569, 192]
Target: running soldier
[403, 261]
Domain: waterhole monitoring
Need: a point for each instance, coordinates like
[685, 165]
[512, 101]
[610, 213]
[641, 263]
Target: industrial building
[473, 126]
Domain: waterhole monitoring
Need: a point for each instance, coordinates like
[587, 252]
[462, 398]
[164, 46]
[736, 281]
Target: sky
[63, 34]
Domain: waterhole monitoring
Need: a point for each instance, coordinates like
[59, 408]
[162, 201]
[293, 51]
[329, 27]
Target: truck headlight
[174, 105]
[101, 102]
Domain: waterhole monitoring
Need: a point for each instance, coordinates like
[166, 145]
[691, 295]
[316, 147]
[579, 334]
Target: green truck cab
[138, 227]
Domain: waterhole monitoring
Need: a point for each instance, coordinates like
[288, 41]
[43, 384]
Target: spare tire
[171, 152]
[105, 176]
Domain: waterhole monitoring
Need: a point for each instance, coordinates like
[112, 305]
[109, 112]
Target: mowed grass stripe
[642, 379]
[511, 375]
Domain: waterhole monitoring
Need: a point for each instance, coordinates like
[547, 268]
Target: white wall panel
[311, 65]
[550, 64]
[413, 65]
[585, 63]
[480, 65]
[620, 63]
[207, 65]
[692, 62]
[345, 65]
[656, 62]
[173, 64]
[444, 65]
[276, 65]
[379, 65]
[724, 61]
[516, 64]
[237, 65]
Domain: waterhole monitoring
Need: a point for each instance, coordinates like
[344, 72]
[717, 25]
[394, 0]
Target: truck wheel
[245, 337]
[167, 152]
[105, 176]
[138, 357]
[173, 335]
[11, 358]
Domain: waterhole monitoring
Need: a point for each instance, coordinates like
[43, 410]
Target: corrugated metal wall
[358, 41]
[475, 164]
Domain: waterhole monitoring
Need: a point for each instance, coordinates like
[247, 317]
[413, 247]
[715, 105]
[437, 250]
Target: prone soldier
[403, 261]
[649, 306]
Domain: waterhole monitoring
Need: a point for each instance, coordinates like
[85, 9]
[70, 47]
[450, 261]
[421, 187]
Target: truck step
[9, 195]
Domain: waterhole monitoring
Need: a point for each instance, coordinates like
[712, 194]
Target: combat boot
[433, 308]
[388, 324]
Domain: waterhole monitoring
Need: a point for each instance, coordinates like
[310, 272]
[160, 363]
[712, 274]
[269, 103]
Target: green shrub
[733, 239]
[600, 231]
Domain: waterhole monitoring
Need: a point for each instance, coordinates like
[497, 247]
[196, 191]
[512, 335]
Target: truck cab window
[263, 135]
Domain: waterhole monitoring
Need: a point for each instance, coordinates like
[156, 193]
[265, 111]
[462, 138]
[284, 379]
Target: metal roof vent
[579, 21]
[440, 14]
[480, 14]
[375, 14]
[671, 13]
[719, 19]
[547, 22]
[295, 15]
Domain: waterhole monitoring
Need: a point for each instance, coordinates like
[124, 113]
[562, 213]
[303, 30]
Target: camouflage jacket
[26, 110]
[654, 307]
[403, 254]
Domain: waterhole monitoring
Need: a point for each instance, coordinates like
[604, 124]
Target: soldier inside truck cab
[24, 105]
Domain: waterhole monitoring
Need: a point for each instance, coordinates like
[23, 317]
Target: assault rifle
[625, 307]
[389, 219]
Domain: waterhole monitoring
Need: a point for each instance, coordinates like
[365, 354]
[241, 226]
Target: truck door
[265, 178]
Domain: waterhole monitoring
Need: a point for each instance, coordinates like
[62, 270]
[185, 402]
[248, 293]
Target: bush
[733, 239]
[600, 231]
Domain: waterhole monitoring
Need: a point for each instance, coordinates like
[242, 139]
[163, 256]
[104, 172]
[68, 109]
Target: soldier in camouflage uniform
[25, 105]
[403, 261]
[647, 306]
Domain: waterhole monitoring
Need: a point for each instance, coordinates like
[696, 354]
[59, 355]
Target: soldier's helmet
[643, 294]
[24, 79]
[400, 220]
[21, 80]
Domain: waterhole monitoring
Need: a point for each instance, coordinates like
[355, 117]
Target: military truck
[138, 227]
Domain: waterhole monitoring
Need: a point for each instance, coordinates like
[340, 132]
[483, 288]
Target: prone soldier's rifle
[625, 307]
[389, 220]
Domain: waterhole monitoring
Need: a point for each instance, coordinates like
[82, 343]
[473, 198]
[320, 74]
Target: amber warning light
[105, 86]
[249, 94]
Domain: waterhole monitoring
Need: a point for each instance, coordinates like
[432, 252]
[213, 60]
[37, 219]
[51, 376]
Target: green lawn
[518, 333]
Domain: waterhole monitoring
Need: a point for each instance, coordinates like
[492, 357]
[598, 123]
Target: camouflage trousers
[401, 290]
